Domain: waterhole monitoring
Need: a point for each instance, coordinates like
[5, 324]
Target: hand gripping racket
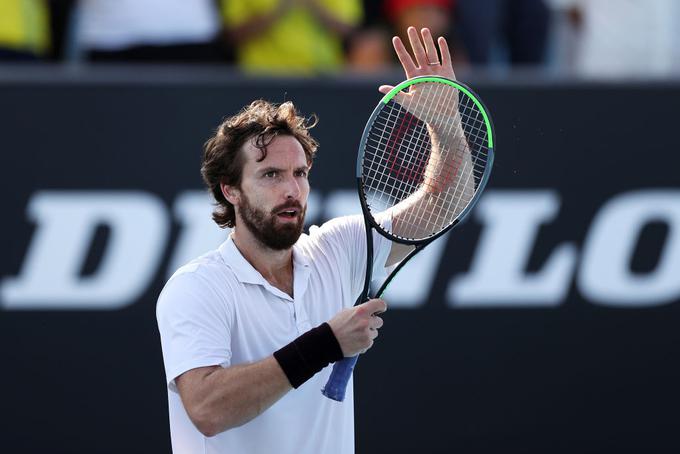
[424, 159]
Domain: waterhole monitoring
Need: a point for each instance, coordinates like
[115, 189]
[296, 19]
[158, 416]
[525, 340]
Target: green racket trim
[416, 80]
[342, 370]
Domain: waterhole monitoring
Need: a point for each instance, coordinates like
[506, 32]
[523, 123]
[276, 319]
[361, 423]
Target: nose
[292, 188]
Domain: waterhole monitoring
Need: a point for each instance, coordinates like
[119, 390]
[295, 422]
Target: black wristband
[308, 354]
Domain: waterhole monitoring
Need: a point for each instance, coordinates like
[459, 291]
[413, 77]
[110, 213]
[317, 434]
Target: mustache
[286, 206]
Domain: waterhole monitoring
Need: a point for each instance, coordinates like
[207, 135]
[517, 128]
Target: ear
[231, 193]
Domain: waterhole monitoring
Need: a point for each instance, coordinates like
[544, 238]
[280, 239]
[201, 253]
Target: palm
[427, 60]
[427, 63]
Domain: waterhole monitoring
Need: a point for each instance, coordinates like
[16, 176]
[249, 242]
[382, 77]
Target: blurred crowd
[577, 37]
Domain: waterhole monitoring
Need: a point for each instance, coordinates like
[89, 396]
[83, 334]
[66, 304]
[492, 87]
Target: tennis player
[249, 329]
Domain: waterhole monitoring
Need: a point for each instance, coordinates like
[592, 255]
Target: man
[248, 330]
[290, 36]
[24, 30]
[147, 30]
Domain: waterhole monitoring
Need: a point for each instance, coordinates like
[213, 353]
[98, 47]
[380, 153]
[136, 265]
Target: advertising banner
[547, 322]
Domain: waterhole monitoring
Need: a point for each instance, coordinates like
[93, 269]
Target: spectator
[369, 49]
[436, 15]
[290, 36]
[623, 37]
[432, 14]
[24, 30]
[517, 28]
[148, 30]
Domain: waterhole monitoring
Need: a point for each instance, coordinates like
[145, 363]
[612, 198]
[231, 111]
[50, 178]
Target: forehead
[282, 151]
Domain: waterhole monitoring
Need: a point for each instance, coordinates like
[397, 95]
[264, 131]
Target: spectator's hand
[427, 62]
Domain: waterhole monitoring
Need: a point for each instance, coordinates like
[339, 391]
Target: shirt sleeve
[345, 237]
[194, 326]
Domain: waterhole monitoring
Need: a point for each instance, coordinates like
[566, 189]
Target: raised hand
[428, 62]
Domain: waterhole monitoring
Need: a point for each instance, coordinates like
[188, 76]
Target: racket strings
[424, 220]
[411, 154]
[469, 149]
[453, 164]
[400, 158]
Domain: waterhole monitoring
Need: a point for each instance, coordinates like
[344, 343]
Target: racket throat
[398, 268]
[369, 262]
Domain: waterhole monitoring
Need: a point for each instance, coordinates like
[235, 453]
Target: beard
[265, 228]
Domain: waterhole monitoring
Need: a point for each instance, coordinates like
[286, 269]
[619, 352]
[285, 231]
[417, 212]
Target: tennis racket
[425, 156]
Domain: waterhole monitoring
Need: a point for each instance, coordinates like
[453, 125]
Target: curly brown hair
[263, 121]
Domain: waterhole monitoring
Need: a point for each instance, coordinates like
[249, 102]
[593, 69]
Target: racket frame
[368, 217]
[342, 370]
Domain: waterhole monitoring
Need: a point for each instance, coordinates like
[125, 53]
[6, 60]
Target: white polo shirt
[218, 310]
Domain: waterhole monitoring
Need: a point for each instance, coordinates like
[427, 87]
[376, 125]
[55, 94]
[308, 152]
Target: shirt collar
[246, 273]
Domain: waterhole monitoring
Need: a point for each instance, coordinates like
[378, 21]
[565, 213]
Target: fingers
[430, 49]
[400, 97]
[428, 59]
[417, 47]
[404, 57]
[384, 89]
[444, 50]
[374, 325]
[356, 328]
[364, 350]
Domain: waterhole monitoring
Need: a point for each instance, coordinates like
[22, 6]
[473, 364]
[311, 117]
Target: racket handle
[337, 383]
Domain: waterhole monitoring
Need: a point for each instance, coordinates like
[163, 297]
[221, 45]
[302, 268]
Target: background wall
[548, 322]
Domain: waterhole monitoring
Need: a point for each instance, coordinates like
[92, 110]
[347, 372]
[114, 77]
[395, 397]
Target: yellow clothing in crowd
[297, 42]
[24, 26]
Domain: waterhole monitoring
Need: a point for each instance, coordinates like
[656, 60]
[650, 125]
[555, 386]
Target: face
[272, 199]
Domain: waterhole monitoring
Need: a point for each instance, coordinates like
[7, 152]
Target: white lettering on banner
[341, 203]
[49, 278]
[605, 276]
[198, 232]
[497, 275]
[413, 285]
[313, 206]
[66, 222]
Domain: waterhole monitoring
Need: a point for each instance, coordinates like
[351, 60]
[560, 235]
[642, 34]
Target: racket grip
[337, 383]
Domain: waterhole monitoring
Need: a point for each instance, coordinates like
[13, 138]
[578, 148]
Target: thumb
[384, 89]
[375, 306]
[399, 98]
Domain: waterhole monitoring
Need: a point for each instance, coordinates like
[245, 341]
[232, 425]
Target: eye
[271, 174]
[301, 173]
